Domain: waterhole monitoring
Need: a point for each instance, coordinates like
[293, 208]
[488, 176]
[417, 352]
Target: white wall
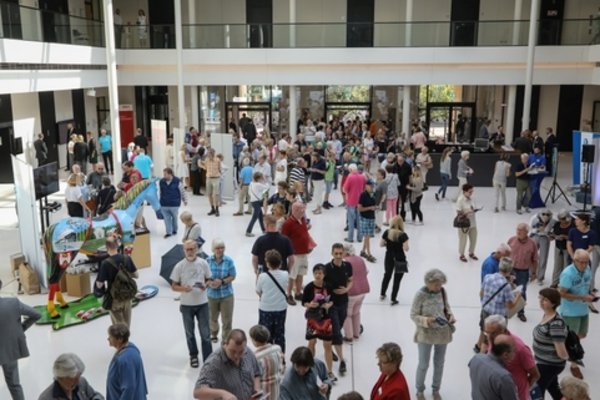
[591, 93]
[548, 108]
[26, 120]
[91, 115]
[63, 105]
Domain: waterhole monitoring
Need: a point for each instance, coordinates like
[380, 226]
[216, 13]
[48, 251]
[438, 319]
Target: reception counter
[482, 165]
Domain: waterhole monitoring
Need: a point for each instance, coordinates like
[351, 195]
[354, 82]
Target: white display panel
[159, 146]
[27, 212]
[223, 144]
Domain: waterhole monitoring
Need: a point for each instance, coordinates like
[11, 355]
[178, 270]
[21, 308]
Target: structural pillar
[292, 115]
[408, 27]
[181, 120]
[292, 24]
[509, 125]
[194, 105]
[192, 27]
[517, 24]
[533, 16]
[113, 88]
[406, 111]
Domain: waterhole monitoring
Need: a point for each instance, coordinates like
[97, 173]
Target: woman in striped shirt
[271, 360]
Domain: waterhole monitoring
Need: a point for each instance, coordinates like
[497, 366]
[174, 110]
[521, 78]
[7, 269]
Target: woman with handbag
[465, 222]
[434, 321]
[272, 307]
[317, 301]
[395, 241]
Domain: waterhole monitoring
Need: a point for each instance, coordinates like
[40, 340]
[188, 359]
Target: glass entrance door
[260, 113]
[348, 111]
[451, 122]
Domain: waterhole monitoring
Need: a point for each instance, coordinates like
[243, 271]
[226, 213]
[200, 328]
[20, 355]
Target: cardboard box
[29, 279]
[63, 283]
[78, 285]
[141, 254]
[16, 260]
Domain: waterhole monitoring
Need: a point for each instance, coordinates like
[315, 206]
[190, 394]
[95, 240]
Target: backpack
[573, 345]
[123, 287]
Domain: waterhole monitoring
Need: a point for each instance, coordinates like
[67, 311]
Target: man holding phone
[190, 277]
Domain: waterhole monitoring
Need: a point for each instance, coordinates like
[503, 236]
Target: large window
[349, 94]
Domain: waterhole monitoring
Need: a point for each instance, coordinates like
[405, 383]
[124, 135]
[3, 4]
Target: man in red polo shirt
[296, 229]
[131, 176]
[353, 187]
[524, 253]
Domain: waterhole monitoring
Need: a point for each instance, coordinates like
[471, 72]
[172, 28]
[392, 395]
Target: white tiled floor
[158, 331]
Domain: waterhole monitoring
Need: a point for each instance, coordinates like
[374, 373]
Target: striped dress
[271, 360]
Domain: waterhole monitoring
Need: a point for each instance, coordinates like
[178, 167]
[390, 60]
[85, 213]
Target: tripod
[552, 192]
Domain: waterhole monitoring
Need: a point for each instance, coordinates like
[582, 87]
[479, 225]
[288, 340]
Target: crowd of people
[377, 174]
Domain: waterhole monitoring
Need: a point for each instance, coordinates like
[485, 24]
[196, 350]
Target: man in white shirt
[190, 277]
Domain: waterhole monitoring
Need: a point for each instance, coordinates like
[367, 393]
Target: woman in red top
[391, 384]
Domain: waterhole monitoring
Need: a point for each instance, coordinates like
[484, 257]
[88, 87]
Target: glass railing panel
[580, 32]
[502, 33]
[29, 25]
[429, 34]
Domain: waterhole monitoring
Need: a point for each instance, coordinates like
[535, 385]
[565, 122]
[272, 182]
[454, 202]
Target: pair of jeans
[439, 356]
[170, 215]
[200, 314]
[522, 278]
[415, 209]
[445, 180]
[224, 307]
[352, 217]
[387, 276]
[352, 323]
[549, 380]
[257, 215]
[108, 162]
[274, 321]
[337, 313]
[523, 193]
[561, 260]
[11, 376]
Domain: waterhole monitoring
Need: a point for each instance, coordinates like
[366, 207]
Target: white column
[192, 28]
[292, 116]
[406, 111]
[179, 52]
[509, 125]
[292, 23]
[408, 26]
[194, 104]
[113, 88]
[535, 7]
[517, 24]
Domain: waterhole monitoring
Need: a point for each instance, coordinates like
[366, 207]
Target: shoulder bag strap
[187, 235]
[494, 295]
[445, 300]
[276, 283]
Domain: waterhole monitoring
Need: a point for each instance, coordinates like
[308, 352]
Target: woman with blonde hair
[74, 197]
[415, 187]
[182, 169]
[445, 172]
[395, 241]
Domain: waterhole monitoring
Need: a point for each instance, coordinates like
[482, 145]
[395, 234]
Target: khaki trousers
[243, 196]
[223, 307]
[121, 312]
[471, 234]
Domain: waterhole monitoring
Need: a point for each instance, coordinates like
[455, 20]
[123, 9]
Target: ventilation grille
[28, 66]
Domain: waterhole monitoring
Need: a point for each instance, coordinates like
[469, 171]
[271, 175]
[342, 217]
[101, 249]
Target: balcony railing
[21, 22]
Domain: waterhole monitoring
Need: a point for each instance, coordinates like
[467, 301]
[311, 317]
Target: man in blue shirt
[105, 142]
[143, 163]
[490, 264]
[245, 180]
[574, 287]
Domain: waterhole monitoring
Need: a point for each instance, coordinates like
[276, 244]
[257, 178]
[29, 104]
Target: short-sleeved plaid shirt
[491, 284]
[221, 270]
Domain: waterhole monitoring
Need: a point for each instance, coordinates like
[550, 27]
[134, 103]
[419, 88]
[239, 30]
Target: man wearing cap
[574, 287]
[540, 227]
[353, 187]
[560, 234]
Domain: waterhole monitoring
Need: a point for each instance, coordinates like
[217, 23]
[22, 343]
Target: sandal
[463, 258]
[194, 362]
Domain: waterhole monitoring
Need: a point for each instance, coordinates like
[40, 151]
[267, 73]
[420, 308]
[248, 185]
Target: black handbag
[400, 267]
[461, 221]
[315, 314]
